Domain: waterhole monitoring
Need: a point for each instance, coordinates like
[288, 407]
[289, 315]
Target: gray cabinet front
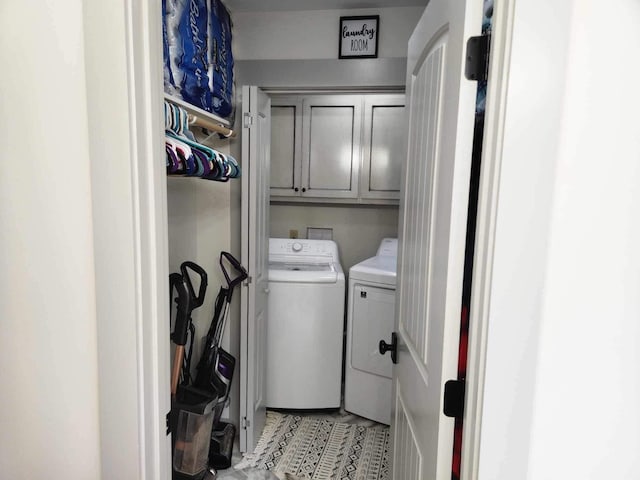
[337, 146]
[286, 132]
[384, 146]
[331, 146]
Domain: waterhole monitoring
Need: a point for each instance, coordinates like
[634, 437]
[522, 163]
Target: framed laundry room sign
[359, 36]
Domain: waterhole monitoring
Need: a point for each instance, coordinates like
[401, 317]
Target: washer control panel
[388, 248]
[303, 247]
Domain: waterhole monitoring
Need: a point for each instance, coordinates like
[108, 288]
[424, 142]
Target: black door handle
[385, 347]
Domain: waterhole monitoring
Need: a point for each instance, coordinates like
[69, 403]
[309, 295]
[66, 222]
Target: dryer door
[373, 317]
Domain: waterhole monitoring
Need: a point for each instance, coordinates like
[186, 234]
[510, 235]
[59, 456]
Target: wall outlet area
[320, 233]
[314, 233]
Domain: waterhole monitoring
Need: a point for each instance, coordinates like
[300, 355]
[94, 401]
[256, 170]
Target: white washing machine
[370, 318]
[305, 324]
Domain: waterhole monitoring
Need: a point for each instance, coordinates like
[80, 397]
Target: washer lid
[376, 269]
[300, 272]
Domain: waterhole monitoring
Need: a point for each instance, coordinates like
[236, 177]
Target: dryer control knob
[296, 247]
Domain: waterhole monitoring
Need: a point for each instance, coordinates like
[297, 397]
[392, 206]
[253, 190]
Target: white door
[256, 134]
[441, 106]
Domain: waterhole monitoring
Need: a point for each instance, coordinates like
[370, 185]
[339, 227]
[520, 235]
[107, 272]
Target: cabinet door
[331, 146]
[286, 145]
[384, 146]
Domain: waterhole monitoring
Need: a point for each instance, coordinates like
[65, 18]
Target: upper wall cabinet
[331, 132]
[337, 148]
[384, 146]
[286, 146]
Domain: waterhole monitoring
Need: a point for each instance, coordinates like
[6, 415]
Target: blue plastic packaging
[221, 62]
[198, 61]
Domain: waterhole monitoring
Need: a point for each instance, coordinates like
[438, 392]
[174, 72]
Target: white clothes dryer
[370, 318]
[305, 324]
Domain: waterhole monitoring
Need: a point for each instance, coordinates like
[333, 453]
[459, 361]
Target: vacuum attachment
[221, 446]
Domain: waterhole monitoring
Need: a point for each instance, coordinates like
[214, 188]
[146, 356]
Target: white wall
[357, 230]
[314, 34]
[199, 227]
[588, 372]
[299, 49]
[562, 361]
[526, 194]
[48, 347]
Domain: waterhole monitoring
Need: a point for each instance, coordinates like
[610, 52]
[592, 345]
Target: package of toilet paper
[198, 61]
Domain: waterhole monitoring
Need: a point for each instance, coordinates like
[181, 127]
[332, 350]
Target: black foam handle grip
[183, 308]
[196, 301]
[242, 272]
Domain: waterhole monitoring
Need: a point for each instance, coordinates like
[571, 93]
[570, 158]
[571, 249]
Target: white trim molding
[144, 52]
[123, 50]
[502, 30]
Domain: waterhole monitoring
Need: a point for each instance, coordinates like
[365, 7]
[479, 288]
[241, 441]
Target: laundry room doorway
[432, 230]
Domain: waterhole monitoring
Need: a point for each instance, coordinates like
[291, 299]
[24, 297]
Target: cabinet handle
[304, 189]
[295, 189]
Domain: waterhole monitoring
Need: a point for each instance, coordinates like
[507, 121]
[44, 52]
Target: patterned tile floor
[250, 473]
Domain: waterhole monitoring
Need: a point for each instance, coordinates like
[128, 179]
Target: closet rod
[202, 118]
[209, 125]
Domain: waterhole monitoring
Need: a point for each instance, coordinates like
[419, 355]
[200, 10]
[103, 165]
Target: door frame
[144, 53]
[146, 89]
[143, 350]
[495, 113]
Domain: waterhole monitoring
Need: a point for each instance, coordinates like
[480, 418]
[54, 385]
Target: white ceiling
[285, 5]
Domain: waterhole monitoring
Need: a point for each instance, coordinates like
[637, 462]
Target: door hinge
[168, 423]
[248, 120]
[477, 58]
[245, 423]
[248, 281]
[454, 398]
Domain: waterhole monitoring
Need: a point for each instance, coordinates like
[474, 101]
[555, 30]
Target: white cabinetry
[286, 145]
[337, 148]
[384, 146]
[331, 132]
